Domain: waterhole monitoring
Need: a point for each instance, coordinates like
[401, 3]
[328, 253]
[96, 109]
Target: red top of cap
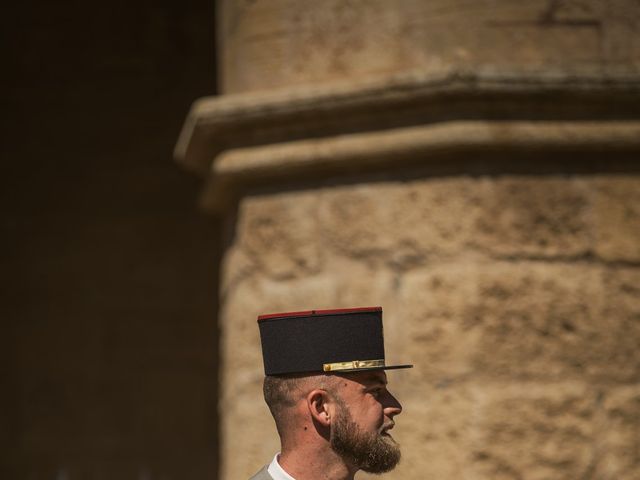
[310, 313]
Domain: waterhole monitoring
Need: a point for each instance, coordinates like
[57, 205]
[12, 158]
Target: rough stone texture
[622, 303]
[407, 228]
[525, 346]
[534, 432]
[619, 449]
[532, 217]
[508, 269]
[289, 42]
[273, 226]
[617, 217]
[545, 322]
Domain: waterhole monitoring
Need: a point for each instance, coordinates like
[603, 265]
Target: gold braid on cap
[353, 365]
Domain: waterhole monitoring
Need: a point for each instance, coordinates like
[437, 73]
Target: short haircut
[281, 392]
[280, 395]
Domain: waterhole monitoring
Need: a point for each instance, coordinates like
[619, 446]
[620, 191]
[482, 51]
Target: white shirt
[276, 471]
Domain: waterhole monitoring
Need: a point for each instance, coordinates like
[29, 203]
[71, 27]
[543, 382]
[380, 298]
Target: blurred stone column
[473, 168]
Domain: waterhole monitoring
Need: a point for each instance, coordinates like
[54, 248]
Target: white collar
[276, 471]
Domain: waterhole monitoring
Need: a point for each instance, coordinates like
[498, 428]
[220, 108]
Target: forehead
[366, 378]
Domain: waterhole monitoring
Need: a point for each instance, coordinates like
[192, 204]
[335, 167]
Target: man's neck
[312, 463]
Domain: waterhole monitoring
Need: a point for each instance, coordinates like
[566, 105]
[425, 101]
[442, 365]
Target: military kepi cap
[344, 340]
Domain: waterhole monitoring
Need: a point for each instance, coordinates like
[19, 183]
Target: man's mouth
[385, 430]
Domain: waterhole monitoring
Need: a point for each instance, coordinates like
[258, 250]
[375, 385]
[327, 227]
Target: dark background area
[109, 340]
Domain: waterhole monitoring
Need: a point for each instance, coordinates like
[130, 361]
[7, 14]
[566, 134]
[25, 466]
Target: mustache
[385, 428]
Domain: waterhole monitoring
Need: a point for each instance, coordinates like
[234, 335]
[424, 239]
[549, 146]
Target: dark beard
[371, 452]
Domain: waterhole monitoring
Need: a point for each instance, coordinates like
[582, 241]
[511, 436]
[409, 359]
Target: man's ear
[318, 403]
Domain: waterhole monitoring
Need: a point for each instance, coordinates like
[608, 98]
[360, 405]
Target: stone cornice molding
[254, 138]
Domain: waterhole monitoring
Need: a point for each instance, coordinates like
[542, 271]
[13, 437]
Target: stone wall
[282, 43]
[516, 296]
[472, 168]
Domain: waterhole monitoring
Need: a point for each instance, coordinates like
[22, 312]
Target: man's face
[364, 416]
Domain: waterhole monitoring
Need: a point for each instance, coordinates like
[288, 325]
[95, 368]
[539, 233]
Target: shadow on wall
[109, 344]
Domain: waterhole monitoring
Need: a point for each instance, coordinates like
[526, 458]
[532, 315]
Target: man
[326, 387]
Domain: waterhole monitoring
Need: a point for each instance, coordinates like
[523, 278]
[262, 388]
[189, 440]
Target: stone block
[619, 447]
[534, 217]
[544, 321]
[621, 317]
[399, 225]
[526, 320]
[616, 213]
[433, 306]
[533, 432]
[285, 42]
[279, 233]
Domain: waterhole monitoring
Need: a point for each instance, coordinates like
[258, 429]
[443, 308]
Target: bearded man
[326, 387]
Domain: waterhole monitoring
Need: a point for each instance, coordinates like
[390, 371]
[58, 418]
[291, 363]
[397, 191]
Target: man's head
[352, 412]
[326, 387]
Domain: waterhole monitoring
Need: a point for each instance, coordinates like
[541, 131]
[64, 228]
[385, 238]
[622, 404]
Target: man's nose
[392, 406]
